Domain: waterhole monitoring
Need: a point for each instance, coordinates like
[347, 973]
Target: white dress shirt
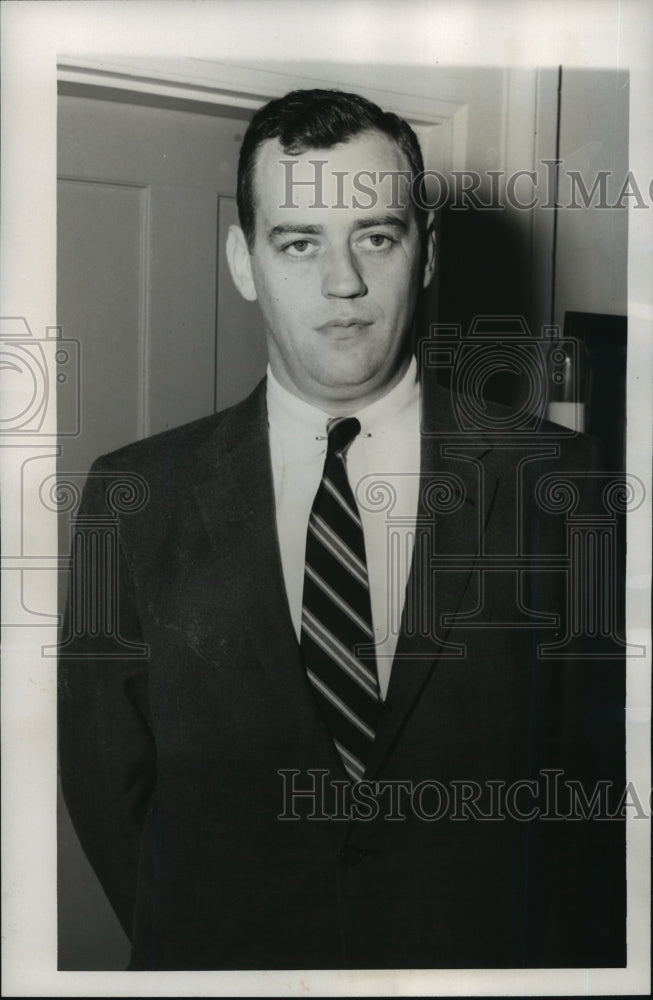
[383, 466]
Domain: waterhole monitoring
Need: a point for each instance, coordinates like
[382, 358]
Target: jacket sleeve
[106, 746]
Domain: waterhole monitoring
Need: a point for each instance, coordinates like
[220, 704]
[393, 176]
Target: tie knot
[341, 431]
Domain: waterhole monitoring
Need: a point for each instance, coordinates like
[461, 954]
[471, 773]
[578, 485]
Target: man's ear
[240, 263]
[429, 250]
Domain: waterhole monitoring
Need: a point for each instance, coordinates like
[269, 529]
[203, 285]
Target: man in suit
[274, 764]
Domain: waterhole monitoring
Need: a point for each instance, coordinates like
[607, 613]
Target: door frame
[219, 88]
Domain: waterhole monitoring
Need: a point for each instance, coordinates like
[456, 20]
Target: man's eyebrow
[286, 228]
[370, 222]
[365, 222]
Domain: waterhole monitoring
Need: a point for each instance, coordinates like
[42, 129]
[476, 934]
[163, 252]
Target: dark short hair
[316, 119]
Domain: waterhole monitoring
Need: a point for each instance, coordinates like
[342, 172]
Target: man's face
[337, 286]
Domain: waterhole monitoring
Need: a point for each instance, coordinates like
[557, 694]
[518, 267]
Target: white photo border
[580, 33]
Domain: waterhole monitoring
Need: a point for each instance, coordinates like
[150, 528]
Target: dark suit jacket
[176, 765]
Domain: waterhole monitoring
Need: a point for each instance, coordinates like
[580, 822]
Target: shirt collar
[377, 416]
[292, 416]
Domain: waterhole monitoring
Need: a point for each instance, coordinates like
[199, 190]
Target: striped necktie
[336, 613]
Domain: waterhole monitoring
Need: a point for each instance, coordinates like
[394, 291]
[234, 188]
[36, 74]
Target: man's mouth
[344, 324]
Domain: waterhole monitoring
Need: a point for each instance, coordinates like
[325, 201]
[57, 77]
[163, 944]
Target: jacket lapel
[235, 495]
[451, 519]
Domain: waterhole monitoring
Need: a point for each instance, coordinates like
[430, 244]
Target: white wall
[592, 243]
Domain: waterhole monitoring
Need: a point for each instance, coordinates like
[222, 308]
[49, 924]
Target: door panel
[137, 286]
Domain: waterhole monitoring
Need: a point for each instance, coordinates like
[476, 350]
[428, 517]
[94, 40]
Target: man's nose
[342, 277]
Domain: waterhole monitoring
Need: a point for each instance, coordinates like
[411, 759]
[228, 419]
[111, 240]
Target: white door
[145, 196]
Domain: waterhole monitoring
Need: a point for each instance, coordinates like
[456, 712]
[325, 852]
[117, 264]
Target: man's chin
[350, 382]
[351, 386]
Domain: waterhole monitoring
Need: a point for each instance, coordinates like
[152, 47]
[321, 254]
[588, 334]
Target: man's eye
[377, 241]
[298, 248]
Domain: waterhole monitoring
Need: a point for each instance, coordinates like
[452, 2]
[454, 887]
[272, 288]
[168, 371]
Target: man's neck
[347, 406]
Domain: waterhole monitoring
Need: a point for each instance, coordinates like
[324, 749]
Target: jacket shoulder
[495, 428]
[176, 447]
[158, 448]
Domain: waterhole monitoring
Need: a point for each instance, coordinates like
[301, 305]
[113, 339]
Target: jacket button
[352, 855]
